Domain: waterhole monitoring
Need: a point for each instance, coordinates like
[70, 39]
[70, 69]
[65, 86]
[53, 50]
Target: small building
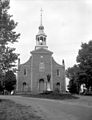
[41, 72]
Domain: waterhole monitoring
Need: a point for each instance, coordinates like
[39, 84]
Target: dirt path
[55, 109]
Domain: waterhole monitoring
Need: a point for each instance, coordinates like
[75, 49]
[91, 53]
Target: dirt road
[55, 109]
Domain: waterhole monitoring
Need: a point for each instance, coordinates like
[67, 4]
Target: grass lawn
[12, 111]
[53, 96]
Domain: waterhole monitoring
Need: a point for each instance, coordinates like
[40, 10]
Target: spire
[41, 27]
[41, 16]
[41, 36]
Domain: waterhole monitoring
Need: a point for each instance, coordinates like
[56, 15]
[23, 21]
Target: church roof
[41, 50]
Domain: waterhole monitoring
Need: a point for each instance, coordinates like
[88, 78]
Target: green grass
[53, 96]
[12, 111]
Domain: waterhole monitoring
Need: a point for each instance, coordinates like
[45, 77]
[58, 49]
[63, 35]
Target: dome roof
[41, 31]
[41, 27]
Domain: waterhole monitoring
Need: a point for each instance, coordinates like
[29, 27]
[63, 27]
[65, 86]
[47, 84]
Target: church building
[41, 72]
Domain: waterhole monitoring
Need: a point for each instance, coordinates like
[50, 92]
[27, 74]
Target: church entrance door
[41, 85]
[58, 86]
[24, 86]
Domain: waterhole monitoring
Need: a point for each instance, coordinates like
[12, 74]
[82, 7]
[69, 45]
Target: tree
[7, 35]
[82, 72]
[9, 81]
[1, 81]
[72, 87]
[72, 74]
[84, 59]
[1, 84]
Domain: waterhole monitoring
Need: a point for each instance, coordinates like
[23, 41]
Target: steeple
[41, 36]
[41, 15]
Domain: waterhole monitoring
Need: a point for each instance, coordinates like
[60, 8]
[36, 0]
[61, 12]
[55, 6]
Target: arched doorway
[24, 86]
[58, 86]
[48, 82]
[41, 85]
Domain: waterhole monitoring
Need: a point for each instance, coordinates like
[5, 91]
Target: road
[56, 109]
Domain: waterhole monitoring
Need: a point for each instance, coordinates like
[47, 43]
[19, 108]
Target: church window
[58, 72]
[41, 38]
[41, 42]
[38, 38]
[58, 86]
[44, 39]
[58, 83]
[24, 83]
[25, 72]
[41, 67]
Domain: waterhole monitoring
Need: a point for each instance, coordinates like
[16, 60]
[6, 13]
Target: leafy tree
[82, 72]
[1, 85]
[72, 74]
[7, 35]
[1, 81]
[10, 81]
[72, 87]
[84, 59]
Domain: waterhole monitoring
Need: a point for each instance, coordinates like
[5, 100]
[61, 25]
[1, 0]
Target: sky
[67, 24]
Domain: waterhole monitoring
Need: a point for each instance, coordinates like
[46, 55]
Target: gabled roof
[42, 50]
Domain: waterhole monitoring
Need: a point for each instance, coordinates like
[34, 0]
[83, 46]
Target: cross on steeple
[41, 15]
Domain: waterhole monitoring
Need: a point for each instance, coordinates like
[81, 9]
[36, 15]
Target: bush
[10, 81]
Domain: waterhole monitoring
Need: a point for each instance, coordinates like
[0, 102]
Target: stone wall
[58, 77]
[24, 76]
[32, 75]
[38, 72]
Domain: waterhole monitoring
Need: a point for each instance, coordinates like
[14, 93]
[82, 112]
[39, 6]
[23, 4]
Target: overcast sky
[67, 24]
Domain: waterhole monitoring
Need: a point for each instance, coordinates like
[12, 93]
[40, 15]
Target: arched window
[25, 72]
[57, 87]
[58, 83]
[24, 83]
[38, 39]
[44, 39]
[41, 38]
[25, 86]
[58, 72]
[41, 67]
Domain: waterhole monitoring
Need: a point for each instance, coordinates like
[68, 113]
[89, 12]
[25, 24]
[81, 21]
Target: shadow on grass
[56, 96]
[3, 100]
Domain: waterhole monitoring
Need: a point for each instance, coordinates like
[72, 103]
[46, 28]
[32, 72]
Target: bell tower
[41, 36]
